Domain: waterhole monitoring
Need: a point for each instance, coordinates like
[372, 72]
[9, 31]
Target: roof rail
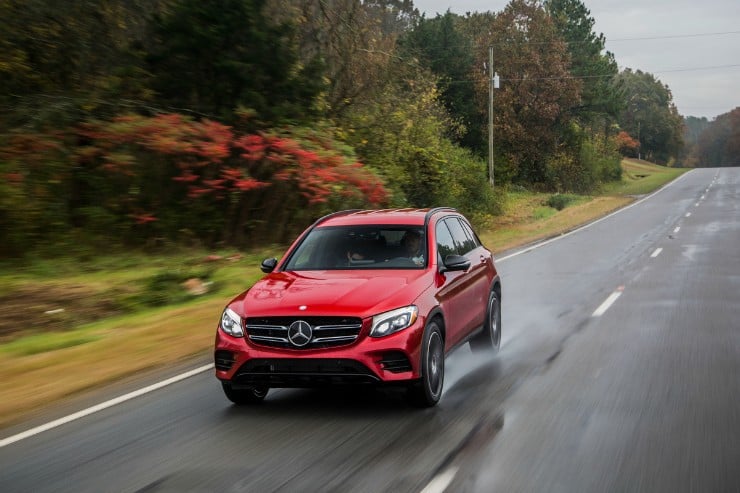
[333, 214]
[433, 211]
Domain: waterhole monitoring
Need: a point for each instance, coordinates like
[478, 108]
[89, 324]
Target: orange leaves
[626, 144]
[172, 167]
[213, 161]
[320, 172]
[143, 218]
[253, 146]
[166, 134]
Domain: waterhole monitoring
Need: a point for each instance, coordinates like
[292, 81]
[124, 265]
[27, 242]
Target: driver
[412, 246]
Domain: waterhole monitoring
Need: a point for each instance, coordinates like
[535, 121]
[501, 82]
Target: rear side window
[471, 234]
[445, 244]
[464, 242]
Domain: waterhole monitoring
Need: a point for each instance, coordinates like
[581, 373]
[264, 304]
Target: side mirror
[268, 265]
[456, 262]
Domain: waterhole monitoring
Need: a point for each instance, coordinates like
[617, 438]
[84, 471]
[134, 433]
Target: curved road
[619, 371]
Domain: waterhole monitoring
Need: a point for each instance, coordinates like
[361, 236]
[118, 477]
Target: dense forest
[715, 143]
[237, 122]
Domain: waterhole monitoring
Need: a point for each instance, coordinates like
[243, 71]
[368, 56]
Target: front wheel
[253, 395]
[427, 391]
[490, 338]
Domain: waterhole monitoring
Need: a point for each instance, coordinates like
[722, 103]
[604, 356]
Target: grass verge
[39, 369]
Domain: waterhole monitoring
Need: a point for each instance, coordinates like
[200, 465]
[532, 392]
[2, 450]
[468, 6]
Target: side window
[471, 234]
[445, 243]
[464, 243]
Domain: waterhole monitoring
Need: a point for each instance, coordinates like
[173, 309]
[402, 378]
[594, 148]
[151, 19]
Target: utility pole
[493, 84]
[490, 117]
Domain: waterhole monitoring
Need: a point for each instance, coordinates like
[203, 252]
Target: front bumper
[368, 360]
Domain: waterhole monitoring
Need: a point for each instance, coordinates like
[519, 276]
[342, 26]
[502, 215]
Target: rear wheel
[253, 395]
[490, 338]
[427, 391]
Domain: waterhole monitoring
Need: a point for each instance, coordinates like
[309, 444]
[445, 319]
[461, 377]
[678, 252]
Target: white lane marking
[678, 228]
[688, 214]
[99, 407]
[565, 235]
[702, 197]
[608, 302]
[656, 252]
[696, 205]
[441, 481]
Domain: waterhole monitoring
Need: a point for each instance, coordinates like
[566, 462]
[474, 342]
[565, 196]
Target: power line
[567, 77]
[674, 36]
[605, 40]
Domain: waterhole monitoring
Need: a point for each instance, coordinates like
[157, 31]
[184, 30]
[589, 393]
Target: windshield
[361, 247]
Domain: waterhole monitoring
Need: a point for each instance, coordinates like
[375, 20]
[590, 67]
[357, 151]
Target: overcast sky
[701, 67]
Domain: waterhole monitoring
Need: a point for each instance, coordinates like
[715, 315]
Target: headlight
[231, 323]
[393, 321]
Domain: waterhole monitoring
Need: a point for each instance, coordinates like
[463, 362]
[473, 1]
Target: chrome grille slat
[333, 339]
[268, 339]
[338, 327]
[267, 327]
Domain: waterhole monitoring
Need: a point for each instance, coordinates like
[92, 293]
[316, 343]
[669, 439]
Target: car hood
[331, 293]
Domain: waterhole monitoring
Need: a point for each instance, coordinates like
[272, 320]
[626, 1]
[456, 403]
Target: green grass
[543, 212]
[113, 286]
[50, 341]
[641, 177]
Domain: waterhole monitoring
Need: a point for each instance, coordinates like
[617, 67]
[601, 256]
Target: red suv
[363, 297]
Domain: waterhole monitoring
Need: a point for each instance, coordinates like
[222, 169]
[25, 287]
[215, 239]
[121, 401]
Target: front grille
[302, 372]
[326, 331]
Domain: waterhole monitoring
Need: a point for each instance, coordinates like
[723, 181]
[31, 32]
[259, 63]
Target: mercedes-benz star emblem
[300, 333]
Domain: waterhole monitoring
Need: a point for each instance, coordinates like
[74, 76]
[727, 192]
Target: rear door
[478, 278]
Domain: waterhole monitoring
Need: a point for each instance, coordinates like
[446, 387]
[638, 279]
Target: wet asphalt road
[641, 397]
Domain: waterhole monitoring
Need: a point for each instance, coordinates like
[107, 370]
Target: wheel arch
[437, 314]
[496, 287]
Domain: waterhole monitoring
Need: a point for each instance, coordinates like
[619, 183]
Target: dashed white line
[696, 205]
[678, 228]
[688, 214]
[702, 197]
[103, 405]
[608, 302]
[656, 252]
[441, 481]
[593, 223]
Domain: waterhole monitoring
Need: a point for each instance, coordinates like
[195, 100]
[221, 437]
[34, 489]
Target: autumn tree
[693, 127]
[627, 145]
[719, 143]
[533, 107]
[650, 116]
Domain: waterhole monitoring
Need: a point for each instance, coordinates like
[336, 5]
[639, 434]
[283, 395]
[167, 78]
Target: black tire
[490, 338]
[254, 395]
[427, 391]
